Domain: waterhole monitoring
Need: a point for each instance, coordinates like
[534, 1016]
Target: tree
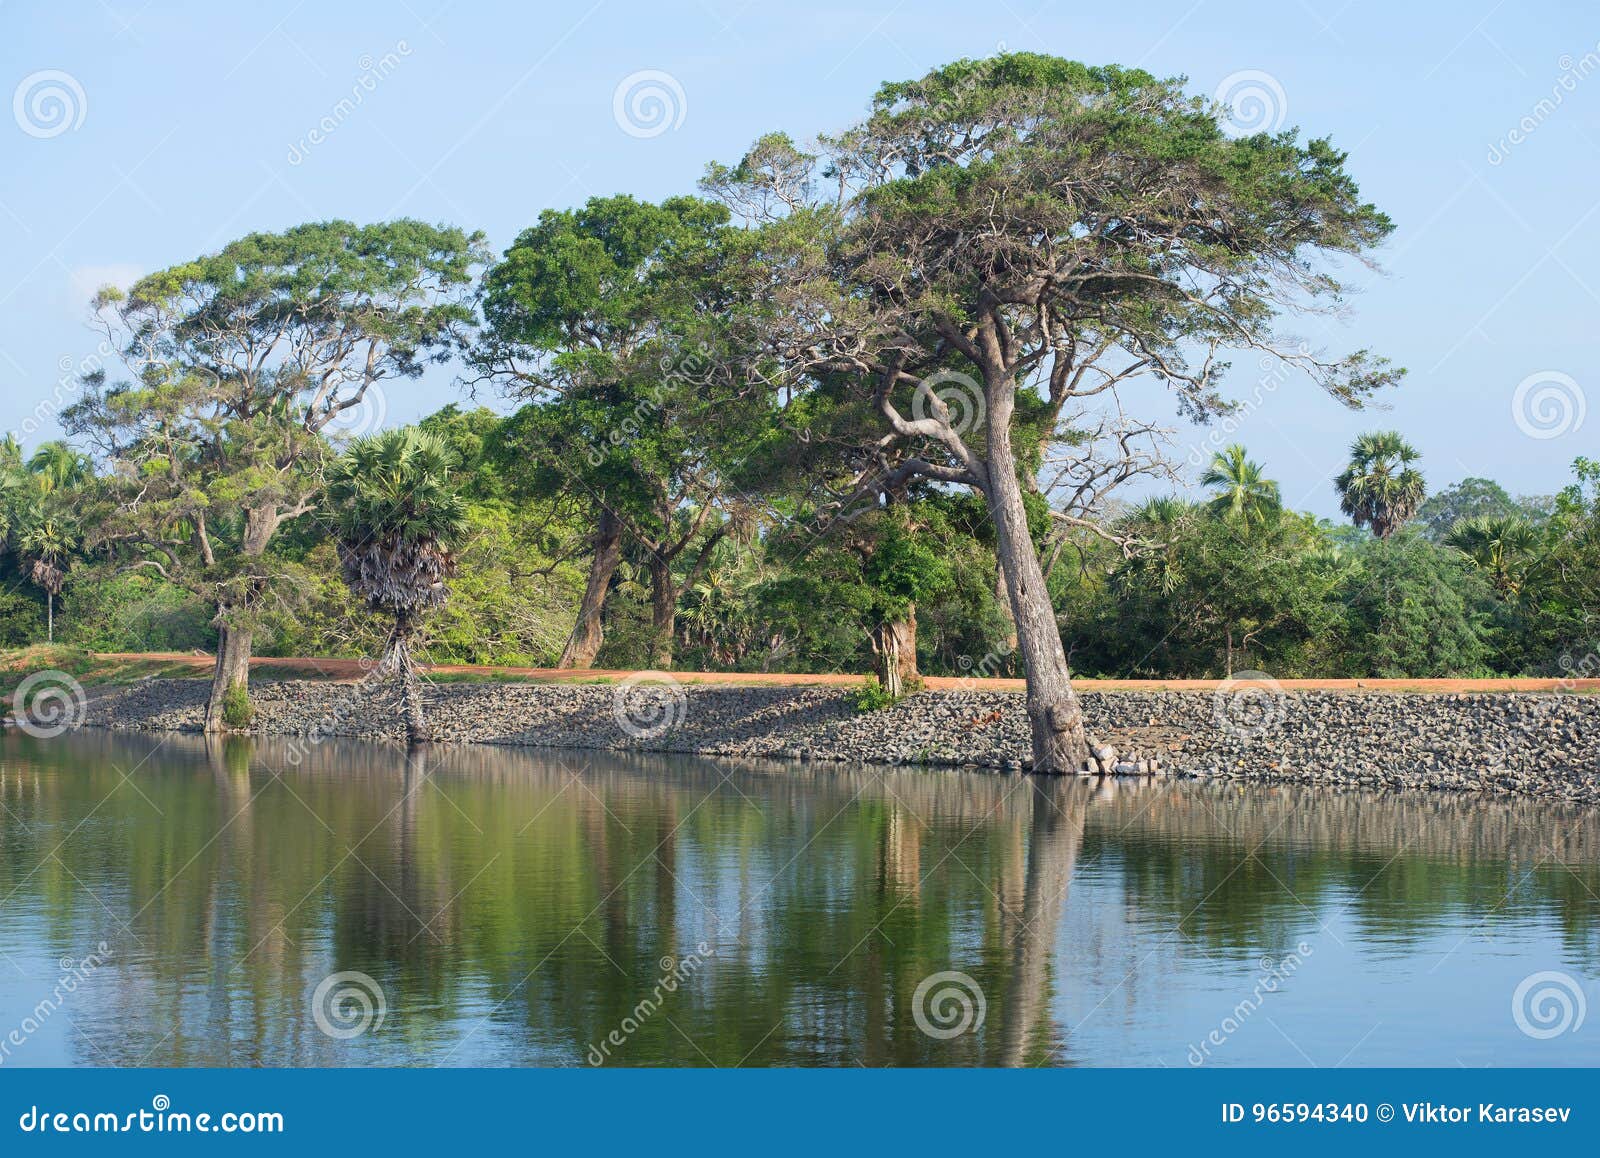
[47, 545]
[1003, 237]
[1416, 610]
[397, 519]
[58, 468]
[610, 321]
[1205, 593]
[1506, 549]
[1245, 494]
[1380, 489]
[1468, 499]
[240, 360]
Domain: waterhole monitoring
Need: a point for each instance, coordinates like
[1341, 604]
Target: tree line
[871, 399]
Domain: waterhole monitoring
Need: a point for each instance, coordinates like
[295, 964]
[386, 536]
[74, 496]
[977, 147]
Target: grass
[83, 666]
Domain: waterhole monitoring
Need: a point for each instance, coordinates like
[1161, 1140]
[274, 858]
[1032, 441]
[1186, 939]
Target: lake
[168, 901]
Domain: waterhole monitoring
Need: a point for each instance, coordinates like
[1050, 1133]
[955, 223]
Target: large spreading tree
[1002, 238]
[616, 324]
[239, 361]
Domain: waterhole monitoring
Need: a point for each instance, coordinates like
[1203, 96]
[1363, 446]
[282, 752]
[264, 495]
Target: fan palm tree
[47, 546]
[1156, 527]
[396, 516]
[1380, 489]
[1504, 547]
[1244, 493]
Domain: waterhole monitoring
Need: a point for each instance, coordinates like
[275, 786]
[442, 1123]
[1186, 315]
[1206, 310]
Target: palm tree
[1155, 530]
[1244, 493]
[47, 545]
[1504, 547]
[396, 516]
[57, 467]
[1380, 489]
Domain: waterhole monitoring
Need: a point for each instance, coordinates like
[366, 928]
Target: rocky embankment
[1542, 744]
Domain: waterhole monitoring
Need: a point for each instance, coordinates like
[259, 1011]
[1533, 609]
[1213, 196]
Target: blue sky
[186, 125]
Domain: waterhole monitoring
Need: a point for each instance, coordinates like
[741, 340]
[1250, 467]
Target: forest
[866, 404]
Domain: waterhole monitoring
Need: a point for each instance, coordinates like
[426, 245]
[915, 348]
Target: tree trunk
[1060, 743]
[232, 671]
[589, 633]
[663, 612]
[233, 642]
[894, 649]
[1004, 600]
[405, 667]
[50, 617]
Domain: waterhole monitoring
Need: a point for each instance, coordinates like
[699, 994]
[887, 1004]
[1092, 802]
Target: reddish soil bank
[351, 669]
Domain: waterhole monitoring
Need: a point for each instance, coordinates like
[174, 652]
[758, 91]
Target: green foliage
[1416, 610]
[105, 610]
[1244, 493]
[1469, 499]
[1380, 489]
[21, 619]
[237, 710]
[872, 696]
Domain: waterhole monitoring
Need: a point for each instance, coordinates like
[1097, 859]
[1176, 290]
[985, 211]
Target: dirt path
[351, 669]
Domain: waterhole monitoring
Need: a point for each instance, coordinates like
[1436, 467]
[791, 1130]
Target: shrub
[237, 711]
[872, 696]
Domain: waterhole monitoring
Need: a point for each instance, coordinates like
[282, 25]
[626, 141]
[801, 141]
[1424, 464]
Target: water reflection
[516, 907]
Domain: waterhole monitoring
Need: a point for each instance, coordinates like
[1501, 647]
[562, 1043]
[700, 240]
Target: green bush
[872, 696]
[237, 711]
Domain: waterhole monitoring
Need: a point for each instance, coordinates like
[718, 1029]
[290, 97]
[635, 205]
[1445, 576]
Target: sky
[146, 133]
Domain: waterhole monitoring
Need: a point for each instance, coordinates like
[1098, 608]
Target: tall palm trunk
[588, 633]
[403, 665]
[50, 616]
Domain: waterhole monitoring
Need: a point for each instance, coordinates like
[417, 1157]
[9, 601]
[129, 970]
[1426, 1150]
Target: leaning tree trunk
[588, 633]
[663, 612]
[403, 666]
[1060, 742]
[894, 651]
[232, 670]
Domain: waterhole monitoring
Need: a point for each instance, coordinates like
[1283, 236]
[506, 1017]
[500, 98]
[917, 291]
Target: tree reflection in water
[517, 906]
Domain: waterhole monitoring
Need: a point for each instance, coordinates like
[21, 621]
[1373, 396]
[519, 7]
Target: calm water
[516, 908]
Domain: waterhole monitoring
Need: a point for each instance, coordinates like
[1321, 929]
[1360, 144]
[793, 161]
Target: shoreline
[1500, 743]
